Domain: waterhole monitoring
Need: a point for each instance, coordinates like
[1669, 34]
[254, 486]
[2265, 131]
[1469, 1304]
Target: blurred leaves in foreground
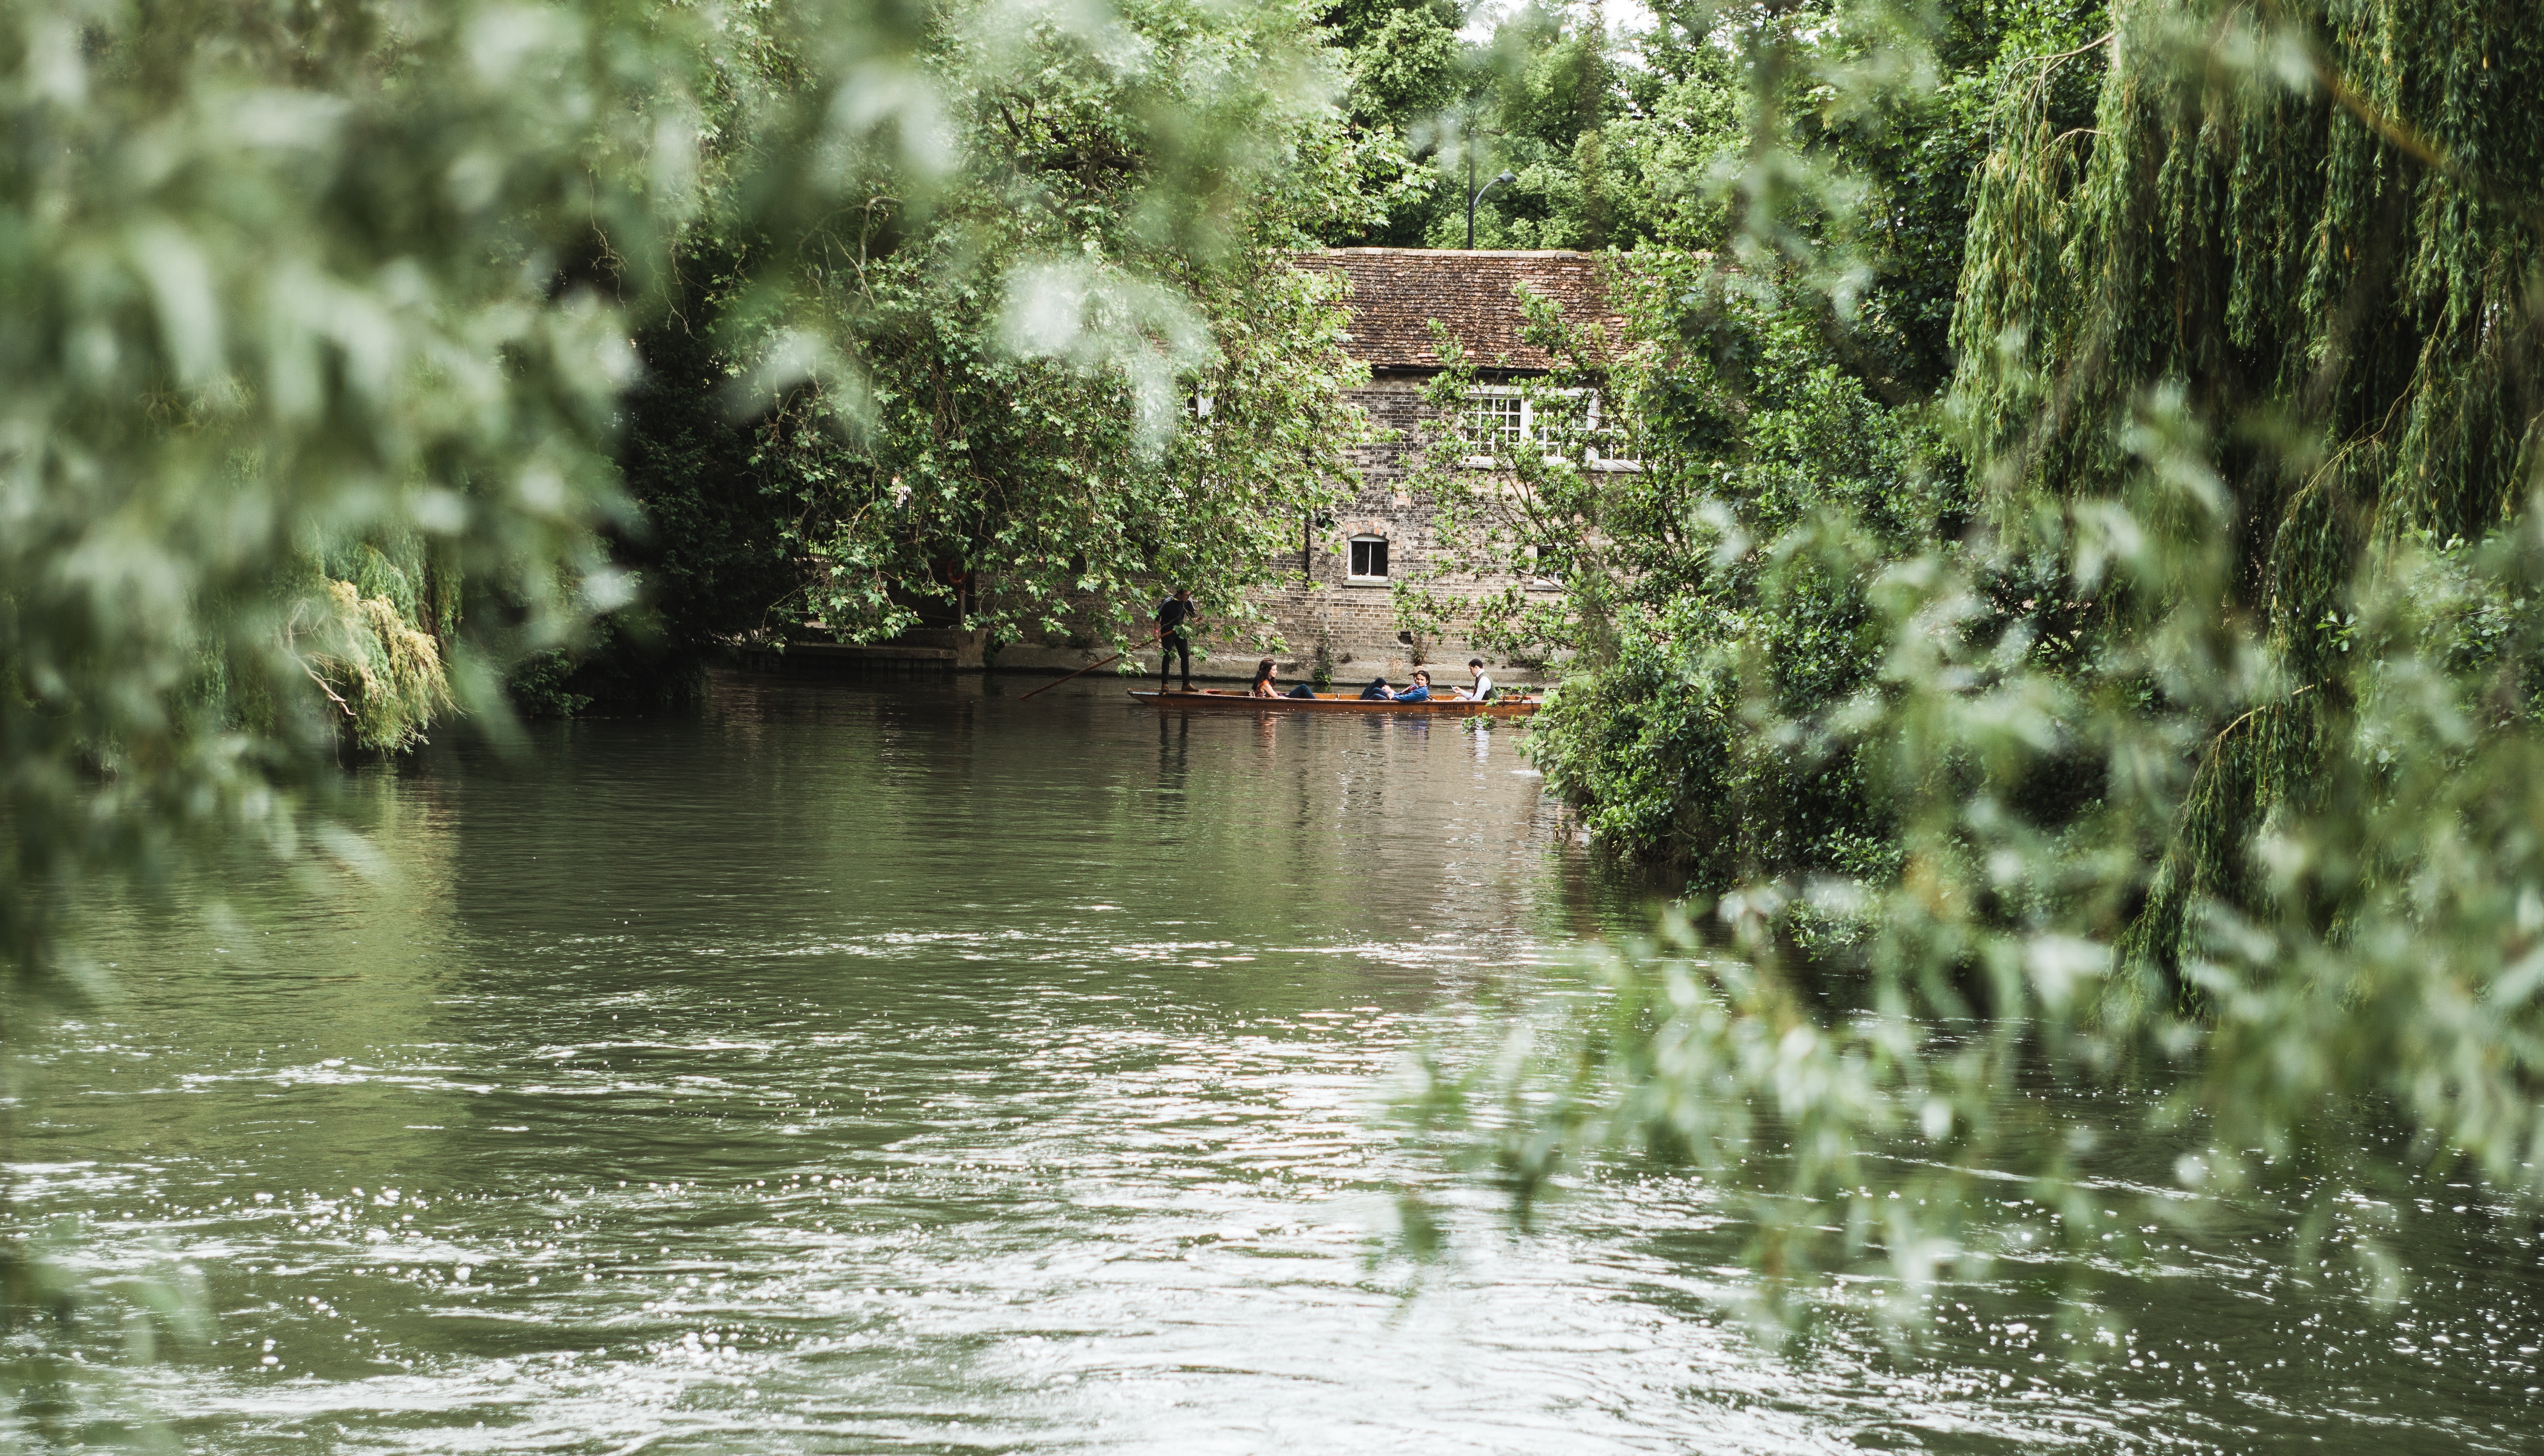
[317, 336]
[320, 328]
[2172, 757]
[302, 342]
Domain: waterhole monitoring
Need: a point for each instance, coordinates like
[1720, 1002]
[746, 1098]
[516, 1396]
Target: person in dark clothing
[1419, 691]
[1176, 619]
[1378, 691]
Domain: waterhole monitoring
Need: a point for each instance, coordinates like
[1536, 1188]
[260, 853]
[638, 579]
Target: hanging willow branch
[2412, 142]
[2356, 336]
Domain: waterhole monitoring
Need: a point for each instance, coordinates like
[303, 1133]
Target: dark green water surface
[918, 1069]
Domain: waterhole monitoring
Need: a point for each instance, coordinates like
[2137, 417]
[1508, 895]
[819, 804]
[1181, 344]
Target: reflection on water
[853, 1070]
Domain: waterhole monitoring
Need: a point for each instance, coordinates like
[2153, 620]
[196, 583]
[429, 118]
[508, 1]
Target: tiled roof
[1395, 292]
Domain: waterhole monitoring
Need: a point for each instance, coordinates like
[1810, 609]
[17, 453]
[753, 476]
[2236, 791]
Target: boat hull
[1209, 702]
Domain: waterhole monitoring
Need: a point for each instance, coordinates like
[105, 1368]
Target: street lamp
[1476, 194]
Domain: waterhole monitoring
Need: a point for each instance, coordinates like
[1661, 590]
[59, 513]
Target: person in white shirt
[1474, 692]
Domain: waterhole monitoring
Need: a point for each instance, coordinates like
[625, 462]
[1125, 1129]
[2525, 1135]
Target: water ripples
[871, 1072]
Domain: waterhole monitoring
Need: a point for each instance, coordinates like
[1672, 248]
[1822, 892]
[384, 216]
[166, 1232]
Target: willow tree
[2211, 752]
[2338, 274]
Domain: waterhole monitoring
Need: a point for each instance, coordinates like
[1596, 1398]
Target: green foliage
[240, 339]
[2200, 758]
[2329, 266]
[713, 553]
[2390, 969]
[1693, 612]
[291, 344]
[986, 414]
[1777, 365]
[315, 329]
[382, 672]
[541, 685]
[1014, 490]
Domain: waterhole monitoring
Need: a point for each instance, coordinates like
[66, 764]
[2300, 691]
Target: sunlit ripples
[862, 1071]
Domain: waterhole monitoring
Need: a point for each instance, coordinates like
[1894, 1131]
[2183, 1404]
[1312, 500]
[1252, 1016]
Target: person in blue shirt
[1420, 689]
[1378, 691]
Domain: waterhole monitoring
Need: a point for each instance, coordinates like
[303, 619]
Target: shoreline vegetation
[2076, 620]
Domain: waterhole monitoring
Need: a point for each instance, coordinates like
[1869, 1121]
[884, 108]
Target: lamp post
[1476, 194]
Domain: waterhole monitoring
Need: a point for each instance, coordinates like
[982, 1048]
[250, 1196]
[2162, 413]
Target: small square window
[1546, 566]
[1369, 559]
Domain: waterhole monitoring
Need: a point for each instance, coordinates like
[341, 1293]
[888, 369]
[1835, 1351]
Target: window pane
[1608, 443]
[1493, 419]
[1369, 558]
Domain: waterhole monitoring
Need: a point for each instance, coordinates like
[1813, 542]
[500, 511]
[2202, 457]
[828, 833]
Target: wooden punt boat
[1226, 702]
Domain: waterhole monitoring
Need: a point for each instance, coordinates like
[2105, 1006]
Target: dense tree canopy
[1785, 335]
[270, 402]
[2159, 730]
[990, 412]
[2338, 278]
[319, 358]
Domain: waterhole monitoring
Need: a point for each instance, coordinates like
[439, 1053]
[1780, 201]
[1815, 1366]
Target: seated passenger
[1419, 691]
[1482, 687]
[1376, 691]
[1263, 686]
[1301, 691]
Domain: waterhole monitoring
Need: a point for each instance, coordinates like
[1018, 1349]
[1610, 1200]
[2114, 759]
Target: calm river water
[918, 1069]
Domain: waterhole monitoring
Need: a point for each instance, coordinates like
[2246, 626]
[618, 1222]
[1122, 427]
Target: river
[913, 1068]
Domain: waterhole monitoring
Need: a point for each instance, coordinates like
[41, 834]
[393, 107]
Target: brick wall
[1355, 621]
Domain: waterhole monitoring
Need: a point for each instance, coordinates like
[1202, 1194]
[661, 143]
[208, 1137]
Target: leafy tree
[1408, 73]
[2338, 275]
[315, 354]
[1747, 430]
[2205, 754]
[987, 413]
[276, 409]
[1777, 365]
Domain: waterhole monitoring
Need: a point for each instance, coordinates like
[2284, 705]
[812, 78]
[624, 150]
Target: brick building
[1385, 534]
[1337, 597]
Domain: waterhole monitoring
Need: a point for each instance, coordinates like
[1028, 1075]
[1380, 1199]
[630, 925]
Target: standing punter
[1176, 619]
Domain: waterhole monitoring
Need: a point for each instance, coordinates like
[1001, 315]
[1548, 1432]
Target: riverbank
[907, 658]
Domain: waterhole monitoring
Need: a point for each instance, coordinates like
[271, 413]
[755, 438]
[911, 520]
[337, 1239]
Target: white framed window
[1366, 560]
[1607, 449]
[1497, 419]
[1501, 418]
